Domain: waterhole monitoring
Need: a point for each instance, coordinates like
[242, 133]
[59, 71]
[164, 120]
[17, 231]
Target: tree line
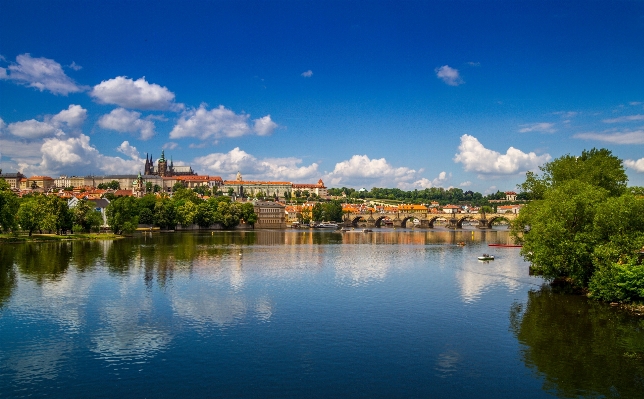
[584, 225]
[441, 195]
[51, 214]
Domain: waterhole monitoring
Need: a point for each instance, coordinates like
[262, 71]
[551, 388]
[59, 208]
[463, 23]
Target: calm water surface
[302, 314]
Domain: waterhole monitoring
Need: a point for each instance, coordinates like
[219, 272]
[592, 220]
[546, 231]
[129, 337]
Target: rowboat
[486, 257]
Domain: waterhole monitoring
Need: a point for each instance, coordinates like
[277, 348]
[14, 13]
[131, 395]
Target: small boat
[345, 229]
[367, 230]
[486, 257]
[328, 225]
[462, 243]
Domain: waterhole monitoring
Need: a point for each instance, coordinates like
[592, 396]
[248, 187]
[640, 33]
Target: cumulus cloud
[423, 183]
[449, 75]
[476, 158]
[264, 126]
[360, 170]
[40, 73]
[219, 122]
[66, 120]
[137, 94]
[626, 137]
[307, 74]
[69, 155]
[33, 129]
[125, 121]
[543, 127]
[637, 165]
[128, 150]
[252, 168]
[465, 184]
[73, 117]
[621, 119]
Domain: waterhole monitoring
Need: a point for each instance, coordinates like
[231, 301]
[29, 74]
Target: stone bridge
[402, 219]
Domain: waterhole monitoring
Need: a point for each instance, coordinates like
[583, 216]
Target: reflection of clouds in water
[45, 359]
[355, 266]
[476, 278]
[130, 331]
[447, 363]
[264, 309]
[205, 308]
[63, 301]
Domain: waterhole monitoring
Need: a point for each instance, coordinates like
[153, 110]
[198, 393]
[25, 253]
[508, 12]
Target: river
[301, 313]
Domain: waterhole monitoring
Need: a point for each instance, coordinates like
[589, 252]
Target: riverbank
[10, 238]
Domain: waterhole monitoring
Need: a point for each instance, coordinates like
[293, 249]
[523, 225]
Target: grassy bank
[10, 238]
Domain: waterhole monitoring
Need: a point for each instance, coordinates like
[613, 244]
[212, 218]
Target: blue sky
[361, 94]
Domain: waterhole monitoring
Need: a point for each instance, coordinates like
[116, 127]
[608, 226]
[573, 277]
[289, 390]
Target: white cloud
[125, 121]
[307, 74]
[621, 119]
[68, 119]
[264, 126]
[637, 165]
[634, 103]
[474, 64]
[252, 168]
[465, 184]
[75, 66]
[73, 117]
[2, 125]
[137, 94]
[33, 129]
[449, 75]
[542, 127]
[218, 122]
[69, 155]
[127, 149]
[170, 146]
[423, 183]
[40, 73]
[566, 114]
[476, 158]
[360, 170]
[626, 137]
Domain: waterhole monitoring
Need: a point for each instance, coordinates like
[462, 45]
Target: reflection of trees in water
[43, 261]
[7, 272]
[581, 347]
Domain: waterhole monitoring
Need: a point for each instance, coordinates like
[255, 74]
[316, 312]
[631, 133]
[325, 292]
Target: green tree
[123, 215]
[56, 215]
[9, 206]
[86, 216]
[247, 213]
[186, 213]
[205, 215]
[165, 214]
[596, 167]
[148, 187]
[317, 213]
[561, 238]
[333, 211]
[29, 215]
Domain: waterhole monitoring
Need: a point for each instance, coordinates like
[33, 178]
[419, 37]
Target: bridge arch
[459, 224]
[355, 220]
[497, 217]
[432, 219]
[403, 223]
[380, 220]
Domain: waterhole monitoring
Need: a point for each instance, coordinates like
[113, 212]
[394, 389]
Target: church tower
[138, 189]
[163, 165]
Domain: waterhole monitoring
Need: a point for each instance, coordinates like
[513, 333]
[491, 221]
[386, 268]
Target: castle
[163, 169]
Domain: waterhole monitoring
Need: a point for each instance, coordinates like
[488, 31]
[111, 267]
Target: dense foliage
[184, 208]
[585, 226]
[441, 195]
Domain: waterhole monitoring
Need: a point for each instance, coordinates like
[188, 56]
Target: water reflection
[581, 347]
